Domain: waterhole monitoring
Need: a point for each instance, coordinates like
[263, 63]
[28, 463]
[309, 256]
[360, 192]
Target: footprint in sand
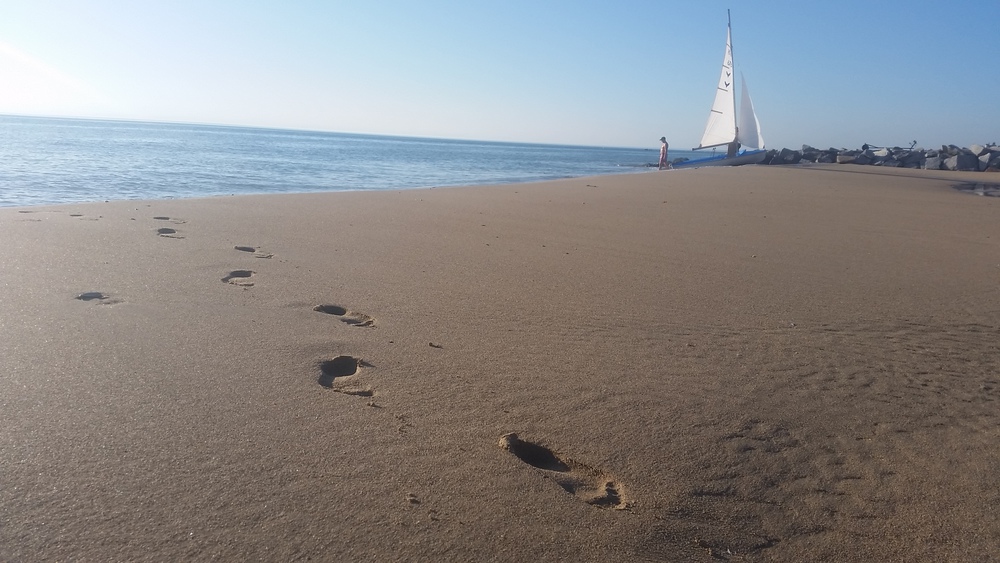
[174, 221]
[593, 486]
[256, 252]
[343, 366]
[239, 277]
[167, 232]
[100, 298]
[350, 317]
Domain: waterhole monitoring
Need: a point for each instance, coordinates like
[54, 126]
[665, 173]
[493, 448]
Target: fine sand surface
[751, 364]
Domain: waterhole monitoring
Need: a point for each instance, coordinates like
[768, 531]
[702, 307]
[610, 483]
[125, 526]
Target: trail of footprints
[169, 232]
[345, 366]
[334, 374]
[594, 486]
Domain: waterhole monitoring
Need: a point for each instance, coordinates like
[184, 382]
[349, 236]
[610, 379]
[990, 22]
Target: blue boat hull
[746, 157]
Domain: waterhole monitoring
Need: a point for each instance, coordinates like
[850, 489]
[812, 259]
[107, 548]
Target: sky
[597, 73]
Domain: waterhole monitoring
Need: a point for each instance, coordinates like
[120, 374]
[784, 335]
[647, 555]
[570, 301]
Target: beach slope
[762, 363]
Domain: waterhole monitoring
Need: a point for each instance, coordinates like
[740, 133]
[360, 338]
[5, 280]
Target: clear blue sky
[577, 72]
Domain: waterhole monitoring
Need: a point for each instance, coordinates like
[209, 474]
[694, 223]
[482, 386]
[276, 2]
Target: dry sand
[762, 363]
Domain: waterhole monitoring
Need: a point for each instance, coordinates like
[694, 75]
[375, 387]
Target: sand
[750, 364]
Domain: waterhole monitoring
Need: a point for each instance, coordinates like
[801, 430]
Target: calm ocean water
[45, 160]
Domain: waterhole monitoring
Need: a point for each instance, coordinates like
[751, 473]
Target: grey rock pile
[950, 157]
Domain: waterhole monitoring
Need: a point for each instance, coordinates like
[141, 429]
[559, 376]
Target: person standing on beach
[663, 153]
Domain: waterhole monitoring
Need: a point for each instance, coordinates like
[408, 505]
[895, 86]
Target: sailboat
[722, 129]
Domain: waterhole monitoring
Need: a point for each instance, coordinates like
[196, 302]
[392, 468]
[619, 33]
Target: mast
[732, 64]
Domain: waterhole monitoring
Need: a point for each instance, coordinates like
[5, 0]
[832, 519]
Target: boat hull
[748, 157]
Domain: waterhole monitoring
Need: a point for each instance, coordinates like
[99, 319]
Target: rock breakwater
[983, 158]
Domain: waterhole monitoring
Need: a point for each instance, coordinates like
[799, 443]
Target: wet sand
[750, 364]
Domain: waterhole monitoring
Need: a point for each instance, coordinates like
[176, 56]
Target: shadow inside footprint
[533, 454]
[253, 249]
[592, 486]
[167, 232]
[331, 310]
[99, 297]
[239, 277]
[350, 317]
[341, 366]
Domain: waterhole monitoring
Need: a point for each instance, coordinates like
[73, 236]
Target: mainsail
[721, 128]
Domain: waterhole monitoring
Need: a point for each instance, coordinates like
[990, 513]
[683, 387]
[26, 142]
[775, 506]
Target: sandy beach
[744, 364]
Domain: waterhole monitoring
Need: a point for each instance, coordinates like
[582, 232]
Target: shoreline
[956, 177]
[777, 363]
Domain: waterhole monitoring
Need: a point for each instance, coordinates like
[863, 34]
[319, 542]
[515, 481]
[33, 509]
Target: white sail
[721, 127]
[749, 127]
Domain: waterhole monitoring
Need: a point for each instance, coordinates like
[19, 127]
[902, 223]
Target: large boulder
[786, 156]
[933, 163]
[962, 162]
[810, 154]
[845, 158]
[977, 150]
[984, 161]
[994, 164]
[912, 159]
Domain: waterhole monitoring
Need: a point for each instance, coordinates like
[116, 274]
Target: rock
[949, 157]
[984, 161]
[962, 162]
[786, 156]
[810, 154]
[913, 159]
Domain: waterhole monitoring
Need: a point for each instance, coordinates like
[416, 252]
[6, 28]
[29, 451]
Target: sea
[61, 160]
